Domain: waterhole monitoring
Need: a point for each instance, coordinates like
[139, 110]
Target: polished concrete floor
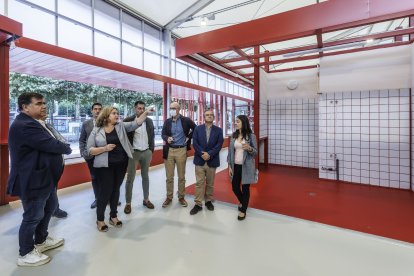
[171, 242]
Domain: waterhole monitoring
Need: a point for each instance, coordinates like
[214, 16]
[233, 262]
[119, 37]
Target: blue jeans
[36, 217]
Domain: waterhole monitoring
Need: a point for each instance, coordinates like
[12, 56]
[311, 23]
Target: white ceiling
[164, 11]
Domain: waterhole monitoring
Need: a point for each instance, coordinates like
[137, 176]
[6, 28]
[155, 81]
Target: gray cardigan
[249, 164]
[98, 139]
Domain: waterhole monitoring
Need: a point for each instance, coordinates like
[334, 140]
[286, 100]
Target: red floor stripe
[298, 192]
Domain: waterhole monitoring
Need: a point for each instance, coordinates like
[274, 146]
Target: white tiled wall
[293, 132]
[369, 132]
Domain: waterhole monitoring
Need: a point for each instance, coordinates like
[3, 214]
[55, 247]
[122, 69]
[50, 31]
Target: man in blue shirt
[177, 132]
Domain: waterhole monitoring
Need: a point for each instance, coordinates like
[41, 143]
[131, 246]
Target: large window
[69, 103]
[42, 28]
[132, 29]
[83, 41]
[152, 38]
[107, 48]
[79, 10]
[107, 18]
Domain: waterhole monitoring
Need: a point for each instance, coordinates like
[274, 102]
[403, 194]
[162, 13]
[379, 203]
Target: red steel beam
[4, 119]
[41, 47]
[244, 56]
[286, 60]
[9, 27]
[329, 16]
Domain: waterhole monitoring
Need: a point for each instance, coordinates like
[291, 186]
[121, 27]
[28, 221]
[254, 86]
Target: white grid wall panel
[368, 131]
[293, 132]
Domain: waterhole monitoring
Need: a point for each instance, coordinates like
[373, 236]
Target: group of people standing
[111, 149]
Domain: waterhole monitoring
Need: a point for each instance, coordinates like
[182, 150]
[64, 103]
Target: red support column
[165, 101]
[4, 119]
[256, 104]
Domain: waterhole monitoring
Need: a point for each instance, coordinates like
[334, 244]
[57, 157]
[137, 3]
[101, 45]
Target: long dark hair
[245, 128]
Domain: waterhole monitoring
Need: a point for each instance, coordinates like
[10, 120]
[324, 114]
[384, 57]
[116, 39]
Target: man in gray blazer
[142, 141]
[86, 130]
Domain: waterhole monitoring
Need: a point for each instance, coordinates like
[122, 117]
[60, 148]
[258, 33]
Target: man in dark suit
[207, 143]
[35, 168]
[142, 141]
[86, 130]
[177, 132]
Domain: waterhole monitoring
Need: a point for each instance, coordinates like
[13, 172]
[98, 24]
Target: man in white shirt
[142, 141]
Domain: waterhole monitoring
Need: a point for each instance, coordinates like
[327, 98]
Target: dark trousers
[243, 194]
[93, 176]
[110, 180]
[36, 217]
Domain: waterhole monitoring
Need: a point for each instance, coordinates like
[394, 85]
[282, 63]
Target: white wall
[388, 68]
[274, 86]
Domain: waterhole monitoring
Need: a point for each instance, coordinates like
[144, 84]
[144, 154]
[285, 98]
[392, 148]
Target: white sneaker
[33, 258]
[49, 243]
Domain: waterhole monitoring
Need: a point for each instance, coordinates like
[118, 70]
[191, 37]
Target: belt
[140, 150]
[178, 147]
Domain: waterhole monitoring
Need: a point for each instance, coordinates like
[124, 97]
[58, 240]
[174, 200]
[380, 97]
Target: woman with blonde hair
[242, 166]
[109, 144]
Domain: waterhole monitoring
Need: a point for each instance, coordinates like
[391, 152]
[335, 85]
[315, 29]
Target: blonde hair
[102, 119]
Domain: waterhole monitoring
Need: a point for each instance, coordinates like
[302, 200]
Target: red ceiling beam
[244, 56]
[286, 60]
[328, 16]
[327, 44]
[49, 49]
[9, 27]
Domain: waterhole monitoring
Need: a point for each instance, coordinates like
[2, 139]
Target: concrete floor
[171, 242]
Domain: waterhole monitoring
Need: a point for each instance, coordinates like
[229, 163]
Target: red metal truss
[327, 16]
[8, 28]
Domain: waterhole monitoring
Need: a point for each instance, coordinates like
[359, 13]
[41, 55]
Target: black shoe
[59, 213]
[93, 205]
[119, 203]
[195, 209]
[242, 218]
[210, 206]
[239, 208]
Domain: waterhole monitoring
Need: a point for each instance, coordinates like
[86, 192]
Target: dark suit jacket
[150, 132]
[188, 128]
[36, 161]
[86, 130]
[212, 146]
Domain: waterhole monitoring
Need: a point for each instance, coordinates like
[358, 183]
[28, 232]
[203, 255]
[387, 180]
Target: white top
[141, 138]
[238, 155]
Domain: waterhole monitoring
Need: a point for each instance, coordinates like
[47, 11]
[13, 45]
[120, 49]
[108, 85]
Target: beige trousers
[204, 186]
[176, 157]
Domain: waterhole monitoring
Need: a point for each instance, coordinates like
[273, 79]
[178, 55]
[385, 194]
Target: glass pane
[172, 69]
[131, 29]
[202, 78]
[42, 28]
[107, 48]
[48, 4]
[193, 75]
[68, 30]
[181, 73]
[131, 56]
[211, 81]
[152, 62]
[79, 10]
[152, 38]
[107, 18]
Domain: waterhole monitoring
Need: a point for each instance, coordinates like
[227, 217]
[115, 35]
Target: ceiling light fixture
[203, 22]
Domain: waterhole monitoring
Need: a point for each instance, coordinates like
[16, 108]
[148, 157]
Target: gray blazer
[86, 130]
[98, 139]
[249, 164]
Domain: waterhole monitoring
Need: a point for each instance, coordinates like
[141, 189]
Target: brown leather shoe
[148, 204]
[166, 202]
[127, 209]
[183, 202]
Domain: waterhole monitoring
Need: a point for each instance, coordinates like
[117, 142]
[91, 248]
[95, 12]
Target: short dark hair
[99, 104]
[138, 102]
[208, 110]
[26, 98]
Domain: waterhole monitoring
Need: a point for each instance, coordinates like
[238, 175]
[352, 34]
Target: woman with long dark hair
[242, 166]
